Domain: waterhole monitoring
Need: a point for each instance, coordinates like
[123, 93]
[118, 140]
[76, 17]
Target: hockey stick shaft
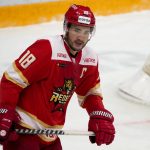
[54, 132]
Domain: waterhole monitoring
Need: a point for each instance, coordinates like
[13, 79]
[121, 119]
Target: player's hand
[101, 123]
[8, 118]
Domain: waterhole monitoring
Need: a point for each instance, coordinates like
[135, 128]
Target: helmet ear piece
[66, 26]
[93, 30]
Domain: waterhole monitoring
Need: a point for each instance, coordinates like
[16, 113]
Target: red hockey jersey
[42, 80]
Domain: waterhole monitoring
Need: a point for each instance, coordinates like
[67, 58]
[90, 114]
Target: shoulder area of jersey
[89, 57]
[89, 51]
[49, 38]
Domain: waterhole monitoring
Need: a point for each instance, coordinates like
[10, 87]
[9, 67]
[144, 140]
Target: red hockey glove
[8, 118]
[101, 123]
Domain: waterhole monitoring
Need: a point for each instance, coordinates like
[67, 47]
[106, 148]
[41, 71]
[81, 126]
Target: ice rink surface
[122, 43]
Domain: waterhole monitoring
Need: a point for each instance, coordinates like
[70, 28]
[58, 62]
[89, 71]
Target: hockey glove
[101, 123]
[8, 118]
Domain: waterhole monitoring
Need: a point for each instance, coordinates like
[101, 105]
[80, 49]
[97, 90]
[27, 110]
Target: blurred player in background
[137, 87]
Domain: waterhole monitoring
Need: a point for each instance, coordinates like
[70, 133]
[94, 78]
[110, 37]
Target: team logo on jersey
[68, 85]
[63, 93]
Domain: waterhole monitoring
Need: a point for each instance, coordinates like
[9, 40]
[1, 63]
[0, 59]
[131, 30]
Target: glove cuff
[102, 114]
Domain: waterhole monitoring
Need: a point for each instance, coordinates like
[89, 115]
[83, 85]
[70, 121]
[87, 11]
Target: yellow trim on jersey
[43, 137]
[47, 139]
[20, 74]
[12, 80]
[39, 121]
[14, 75]
[92, 91]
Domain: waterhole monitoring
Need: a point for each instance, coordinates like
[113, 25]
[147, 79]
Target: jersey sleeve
[89, 91]
[31, 66]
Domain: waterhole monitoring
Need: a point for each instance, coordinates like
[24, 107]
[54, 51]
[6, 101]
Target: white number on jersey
[27, 59]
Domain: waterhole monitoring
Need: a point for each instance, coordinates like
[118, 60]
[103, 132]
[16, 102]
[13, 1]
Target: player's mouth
[78, 44]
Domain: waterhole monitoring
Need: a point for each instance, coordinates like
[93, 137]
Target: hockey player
[37, 87]
[136, 87]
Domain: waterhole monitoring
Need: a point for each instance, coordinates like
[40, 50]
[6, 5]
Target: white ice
[122, 43]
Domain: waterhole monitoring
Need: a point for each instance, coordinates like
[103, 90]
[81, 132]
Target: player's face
[78, 36]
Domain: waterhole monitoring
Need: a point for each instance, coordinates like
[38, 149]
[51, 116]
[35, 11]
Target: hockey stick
[48, 131]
